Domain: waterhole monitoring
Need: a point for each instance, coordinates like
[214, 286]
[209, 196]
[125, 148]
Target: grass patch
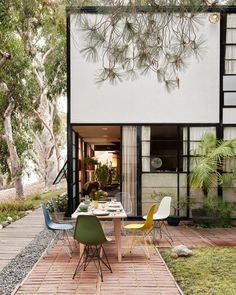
[16, 208]
[39, 198]
[209, 271]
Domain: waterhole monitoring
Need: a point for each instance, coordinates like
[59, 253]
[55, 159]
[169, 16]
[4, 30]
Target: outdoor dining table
[107, 210]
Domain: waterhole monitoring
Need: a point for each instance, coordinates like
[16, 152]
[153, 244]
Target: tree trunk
[50, 152]
[15, 165]
[49, 149]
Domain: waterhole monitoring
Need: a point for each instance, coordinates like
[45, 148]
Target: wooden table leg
[81, 249]
[117, 230]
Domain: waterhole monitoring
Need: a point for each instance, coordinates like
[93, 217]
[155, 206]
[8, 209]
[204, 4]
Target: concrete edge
[177, 285]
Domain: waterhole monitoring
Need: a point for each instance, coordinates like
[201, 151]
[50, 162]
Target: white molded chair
[163, 211]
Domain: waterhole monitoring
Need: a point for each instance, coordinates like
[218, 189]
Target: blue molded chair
[59, 230]
[89, 232]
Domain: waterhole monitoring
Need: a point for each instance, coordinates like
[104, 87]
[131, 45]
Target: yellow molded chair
[141, 231]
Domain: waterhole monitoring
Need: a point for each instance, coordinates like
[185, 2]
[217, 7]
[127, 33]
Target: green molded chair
[89, 232]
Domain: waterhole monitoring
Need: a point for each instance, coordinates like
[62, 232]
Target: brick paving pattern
[135, 274]
[53, 275]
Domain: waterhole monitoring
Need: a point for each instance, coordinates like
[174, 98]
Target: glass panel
[230, 98]
[230, 51]
[229, 133]
[229, 83]
[146, 148]
[146, 164]
[231, 20]
[229, 164]
[230, 67]
[231, 36]
[196, 134]
[146, 133]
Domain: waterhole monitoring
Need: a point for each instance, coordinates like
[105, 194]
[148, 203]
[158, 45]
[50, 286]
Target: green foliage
[90, 161]
[208, 162]
[61, 201]
[209, 271]
[16, 205]
[14, 209]
[97, 195]
[219, 209]
[103, 174]
[57, 124]
[130, 44]
[28, 29]
[37, 197]
[4, 169]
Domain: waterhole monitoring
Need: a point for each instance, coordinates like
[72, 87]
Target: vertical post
[139, 171]
[69, 127]
[188, 170]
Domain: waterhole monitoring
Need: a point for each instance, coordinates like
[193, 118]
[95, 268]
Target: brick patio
[135, 274]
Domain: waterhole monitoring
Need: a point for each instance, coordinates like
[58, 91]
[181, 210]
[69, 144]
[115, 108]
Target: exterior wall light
[214, 18]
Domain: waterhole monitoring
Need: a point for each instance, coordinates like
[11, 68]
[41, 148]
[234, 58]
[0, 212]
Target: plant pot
[173, 220]
[59, 216]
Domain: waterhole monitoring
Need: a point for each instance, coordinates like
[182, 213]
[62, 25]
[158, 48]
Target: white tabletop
[106, 210]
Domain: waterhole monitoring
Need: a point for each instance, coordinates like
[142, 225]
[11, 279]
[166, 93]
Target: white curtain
[230, 52]
[146, 136]
[129, 165]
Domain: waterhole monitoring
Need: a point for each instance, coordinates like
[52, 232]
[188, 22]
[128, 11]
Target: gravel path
[12, 274]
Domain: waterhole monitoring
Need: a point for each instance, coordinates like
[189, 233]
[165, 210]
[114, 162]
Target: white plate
[111, 209]
[114, 205]
[100, 212]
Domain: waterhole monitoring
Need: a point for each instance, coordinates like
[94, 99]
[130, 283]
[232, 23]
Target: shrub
[217, 208]
[61, 202]
[14, 209]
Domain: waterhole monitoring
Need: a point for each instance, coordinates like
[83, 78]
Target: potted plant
[90, 162]
[103, 174]
[57, 207]
[177, 206]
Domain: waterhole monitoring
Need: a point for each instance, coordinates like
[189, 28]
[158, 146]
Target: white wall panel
[229, 115]
[145, 100]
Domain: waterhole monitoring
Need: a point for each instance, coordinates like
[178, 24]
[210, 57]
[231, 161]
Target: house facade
[152, 133]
